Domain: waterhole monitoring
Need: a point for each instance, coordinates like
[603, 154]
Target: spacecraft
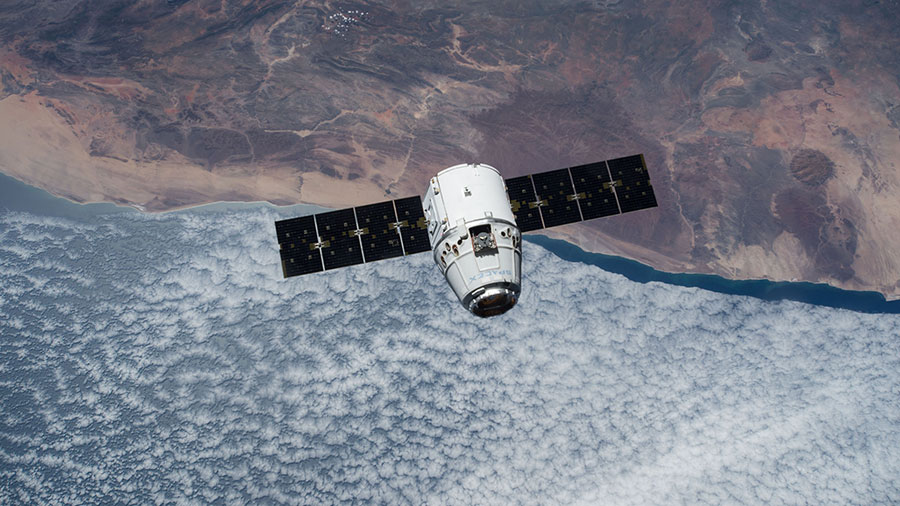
[471, 220]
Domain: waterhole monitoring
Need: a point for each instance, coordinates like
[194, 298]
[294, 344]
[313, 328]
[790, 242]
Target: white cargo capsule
[474, 237]
[471, 219]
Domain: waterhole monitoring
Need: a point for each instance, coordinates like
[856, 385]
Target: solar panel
[394, 228]
[524, 203]
[297, 239]
[413, 229]
[379, 236]
[595, 194]
[340, 244]
[632, 181]
[555, 191]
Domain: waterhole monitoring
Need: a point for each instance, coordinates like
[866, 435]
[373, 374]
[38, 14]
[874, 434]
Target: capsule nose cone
[493, 302]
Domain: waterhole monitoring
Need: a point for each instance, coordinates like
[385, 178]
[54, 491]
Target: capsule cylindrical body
[474, 237]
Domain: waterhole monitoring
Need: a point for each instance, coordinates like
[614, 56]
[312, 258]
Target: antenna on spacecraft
[471, 219]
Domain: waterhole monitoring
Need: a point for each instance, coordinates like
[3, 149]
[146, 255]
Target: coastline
[819, 294]
[19, 196]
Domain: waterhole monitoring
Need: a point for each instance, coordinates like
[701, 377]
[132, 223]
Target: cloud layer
[156, 359]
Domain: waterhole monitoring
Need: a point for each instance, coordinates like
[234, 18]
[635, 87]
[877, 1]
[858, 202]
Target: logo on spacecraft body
[490, 274]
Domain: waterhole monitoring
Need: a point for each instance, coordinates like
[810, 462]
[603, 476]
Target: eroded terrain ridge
[771, 128]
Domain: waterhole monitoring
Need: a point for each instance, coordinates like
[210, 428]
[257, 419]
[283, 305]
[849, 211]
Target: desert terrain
[771, 129]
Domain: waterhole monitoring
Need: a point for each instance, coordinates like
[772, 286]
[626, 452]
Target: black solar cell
[415, 231]
[342, 246]
[555, 188]
[380, 239]
[633, 186]
[522, 201]
[297, 238]
[596, 198]
[368, 233]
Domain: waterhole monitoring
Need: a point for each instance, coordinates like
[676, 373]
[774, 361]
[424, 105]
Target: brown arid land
[771, 129]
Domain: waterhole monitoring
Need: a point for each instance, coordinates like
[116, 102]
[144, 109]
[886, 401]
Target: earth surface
[160, 358]
[140, 366]
[771, 129]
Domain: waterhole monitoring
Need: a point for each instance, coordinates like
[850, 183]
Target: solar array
[397, 227]
[352, 236]
[585, 192]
